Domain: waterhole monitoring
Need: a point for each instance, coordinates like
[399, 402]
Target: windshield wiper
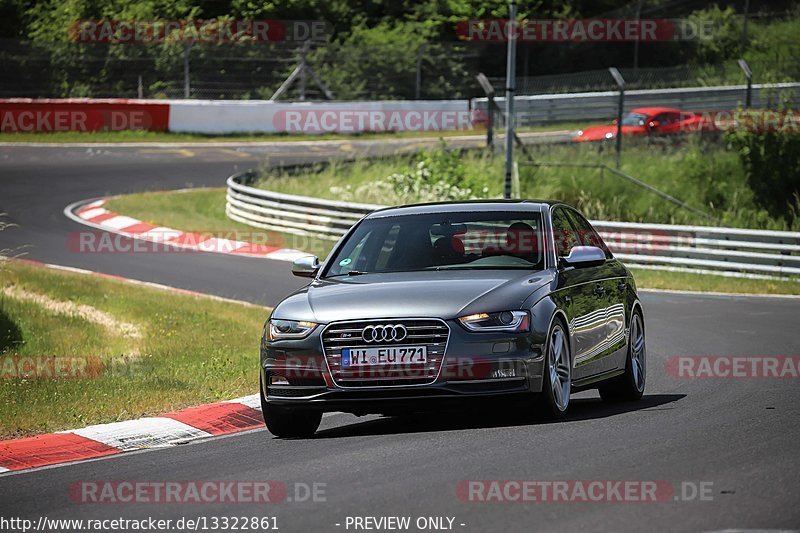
[487, 267]
[351, 273]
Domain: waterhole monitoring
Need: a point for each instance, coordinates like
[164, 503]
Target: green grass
[686, 281]
[193, 350]
[704, 173]
[166, 137]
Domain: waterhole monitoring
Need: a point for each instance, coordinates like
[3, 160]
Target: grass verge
[203, 209]
[704, 172]
[167, 137]
[191, 350]
[687, 281]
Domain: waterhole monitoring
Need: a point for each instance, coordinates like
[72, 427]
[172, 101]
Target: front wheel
[557, 383]
[630, 385]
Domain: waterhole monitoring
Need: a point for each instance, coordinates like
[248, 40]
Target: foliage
[726, 42]
[375, 49]
[436, 176]
[771, 162]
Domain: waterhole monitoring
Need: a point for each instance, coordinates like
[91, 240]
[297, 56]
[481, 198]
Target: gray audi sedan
[432, 305]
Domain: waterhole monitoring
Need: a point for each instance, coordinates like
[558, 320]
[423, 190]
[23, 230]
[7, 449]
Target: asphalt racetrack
[738, 439]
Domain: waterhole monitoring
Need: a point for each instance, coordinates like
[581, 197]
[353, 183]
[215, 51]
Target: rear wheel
[630, 385]
[557, 382]
[289, 423]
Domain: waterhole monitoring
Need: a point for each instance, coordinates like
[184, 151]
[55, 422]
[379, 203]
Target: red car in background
[650, 121]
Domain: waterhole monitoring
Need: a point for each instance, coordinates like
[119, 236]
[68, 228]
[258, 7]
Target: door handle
[599, 290]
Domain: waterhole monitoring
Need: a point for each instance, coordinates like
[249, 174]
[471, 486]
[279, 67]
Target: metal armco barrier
[289, 213]
[729, 251]
[546, 108]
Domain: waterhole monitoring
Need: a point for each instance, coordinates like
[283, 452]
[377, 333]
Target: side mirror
[584, 257]
[306, 267]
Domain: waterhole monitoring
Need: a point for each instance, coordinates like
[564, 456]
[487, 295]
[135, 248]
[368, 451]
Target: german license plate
[390, 355]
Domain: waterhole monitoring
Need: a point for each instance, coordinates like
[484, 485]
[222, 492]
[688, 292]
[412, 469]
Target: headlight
[288, 329]
[513, 321]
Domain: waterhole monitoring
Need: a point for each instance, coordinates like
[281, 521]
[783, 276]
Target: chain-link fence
[143, 70]
[441, 70]
[235, 71]
[726, 73]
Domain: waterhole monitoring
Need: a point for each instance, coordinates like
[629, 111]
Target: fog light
[504, 373]
[278, 380]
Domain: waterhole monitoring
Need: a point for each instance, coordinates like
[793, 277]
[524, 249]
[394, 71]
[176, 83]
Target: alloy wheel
[560, 368]
[638, 363]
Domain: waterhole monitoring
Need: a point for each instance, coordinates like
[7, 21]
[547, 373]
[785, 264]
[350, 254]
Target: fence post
[418, 80]
[488, 88]
[186, 80]
[490, 121]
[140, 88]
[303, 67]
[621, 84]
[748, 74]
[510, 83]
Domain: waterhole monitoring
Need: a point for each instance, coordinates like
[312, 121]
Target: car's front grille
[431, 333]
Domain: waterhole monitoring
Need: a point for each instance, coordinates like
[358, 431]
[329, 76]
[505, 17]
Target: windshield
[442, 241]
[634, 119]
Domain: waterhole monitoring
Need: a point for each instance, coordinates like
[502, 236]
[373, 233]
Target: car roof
[461, 206]
[655, 110]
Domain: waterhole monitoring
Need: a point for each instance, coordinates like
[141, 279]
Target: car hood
[443, 294]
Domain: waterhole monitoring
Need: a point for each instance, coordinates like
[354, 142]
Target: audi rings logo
[384, 333]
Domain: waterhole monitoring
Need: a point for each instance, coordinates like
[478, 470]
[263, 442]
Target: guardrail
[576, 107]
[705, 249]
[300, 215]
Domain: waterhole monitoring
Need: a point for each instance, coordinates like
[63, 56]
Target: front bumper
[476, 367]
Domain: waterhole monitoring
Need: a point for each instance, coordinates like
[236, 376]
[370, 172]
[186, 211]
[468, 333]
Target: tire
[557, 379]
[630, 385]
[290, 423]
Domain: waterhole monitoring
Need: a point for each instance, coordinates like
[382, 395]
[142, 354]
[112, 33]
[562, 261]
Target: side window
[587, 235]
[563, 232]
[661, 118]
